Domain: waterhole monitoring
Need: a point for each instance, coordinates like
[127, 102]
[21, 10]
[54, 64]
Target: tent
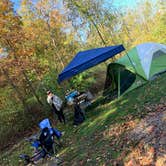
[89, 58]
[141, 64]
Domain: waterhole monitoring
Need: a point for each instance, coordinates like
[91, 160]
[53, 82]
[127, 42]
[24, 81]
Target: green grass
[11, 156]
[91, 143]
[88, 145]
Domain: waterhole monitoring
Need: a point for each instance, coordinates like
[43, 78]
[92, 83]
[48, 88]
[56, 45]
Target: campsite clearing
[102, 138]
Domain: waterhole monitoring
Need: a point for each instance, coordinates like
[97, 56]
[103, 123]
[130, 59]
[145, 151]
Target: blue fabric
[57, 133]
[44, 123]
[89, 58]
[36, 144]
[71, 95]
[51, 130]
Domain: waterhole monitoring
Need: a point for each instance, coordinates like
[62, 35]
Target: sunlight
[101, 118]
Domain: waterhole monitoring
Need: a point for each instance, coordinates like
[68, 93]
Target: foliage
[42, 37]
[83, 81]
[101, 138]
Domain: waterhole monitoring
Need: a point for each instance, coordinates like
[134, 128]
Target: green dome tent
[141, 64]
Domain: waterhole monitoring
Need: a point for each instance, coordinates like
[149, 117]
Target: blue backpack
[46, 123]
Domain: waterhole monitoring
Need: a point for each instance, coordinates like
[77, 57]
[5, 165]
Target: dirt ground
[150, 136]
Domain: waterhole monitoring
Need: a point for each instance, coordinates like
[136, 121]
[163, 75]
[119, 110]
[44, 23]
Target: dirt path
[150, 138]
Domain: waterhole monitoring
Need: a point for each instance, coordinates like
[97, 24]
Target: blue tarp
[89, 58]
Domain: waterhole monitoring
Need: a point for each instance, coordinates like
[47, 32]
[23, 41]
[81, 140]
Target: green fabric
[158, 65]
[119, 82]
[138, 82]
[136, 66]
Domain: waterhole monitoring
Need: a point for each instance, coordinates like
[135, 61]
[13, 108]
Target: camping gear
[70, 97]
[38, 154]
[33, 159]
[83, 98]
[87, 59]
[44, 123]
[79, 114]
[141, 64]
[40, 150]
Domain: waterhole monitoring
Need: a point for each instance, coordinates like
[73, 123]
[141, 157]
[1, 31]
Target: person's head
[49, 92]
[45, 131]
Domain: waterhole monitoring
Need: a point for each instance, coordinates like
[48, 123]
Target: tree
[88, 14]
[12, 38]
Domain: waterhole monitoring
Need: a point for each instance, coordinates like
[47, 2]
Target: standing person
[79, 115]
[57, 105]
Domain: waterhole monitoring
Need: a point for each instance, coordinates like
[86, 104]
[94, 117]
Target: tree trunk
[85, 13]
[59, 58]
[53, 41]
[99, 33]
[31, 87]
[25, 76]
[20, 96]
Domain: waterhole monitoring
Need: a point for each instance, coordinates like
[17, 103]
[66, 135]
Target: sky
[125, 3]
[16, 3]
[117, 3]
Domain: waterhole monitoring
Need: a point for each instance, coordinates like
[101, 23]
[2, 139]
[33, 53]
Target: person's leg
[57, 112]
[59, 116]
[82, 114]
[62, 115]
[81, 111]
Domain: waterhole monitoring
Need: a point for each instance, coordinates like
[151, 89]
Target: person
[47, 135]
[79, 115]
[57, 105]
[46, 139]
[44, 143]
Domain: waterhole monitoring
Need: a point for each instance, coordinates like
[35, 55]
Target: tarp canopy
[87, 59]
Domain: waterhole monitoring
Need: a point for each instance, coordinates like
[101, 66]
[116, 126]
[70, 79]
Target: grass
[100, 139]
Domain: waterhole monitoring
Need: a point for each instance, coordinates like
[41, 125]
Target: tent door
[118, 80]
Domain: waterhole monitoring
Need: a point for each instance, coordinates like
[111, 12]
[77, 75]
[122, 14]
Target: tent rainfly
[141, 64]
[87, 59]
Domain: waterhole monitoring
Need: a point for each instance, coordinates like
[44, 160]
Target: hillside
[126, 131]
[105, 137]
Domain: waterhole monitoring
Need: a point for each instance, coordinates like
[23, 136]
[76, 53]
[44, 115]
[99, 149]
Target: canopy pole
[118, 82]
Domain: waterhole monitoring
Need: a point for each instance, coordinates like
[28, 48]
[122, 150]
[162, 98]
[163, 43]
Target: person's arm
[49, 100]
[41, 139]
[57, 133]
